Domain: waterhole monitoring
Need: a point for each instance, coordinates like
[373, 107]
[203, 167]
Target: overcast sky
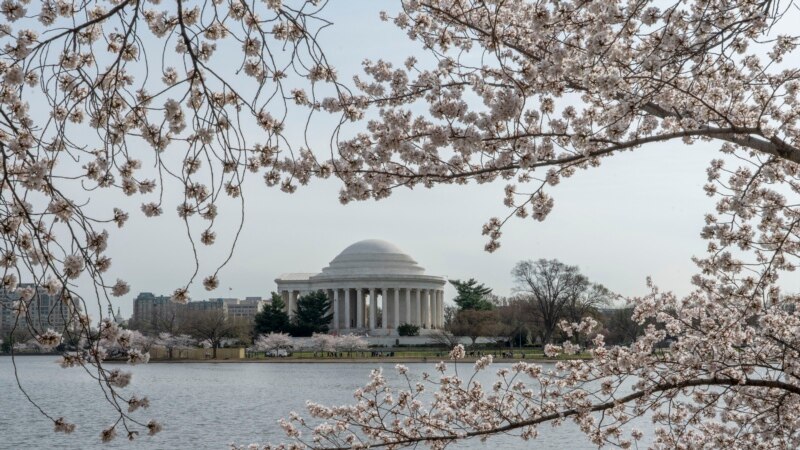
[637, 215]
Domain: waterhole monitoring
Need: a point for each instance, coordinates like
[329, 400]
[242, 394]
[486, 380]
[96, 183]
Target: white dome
[371, 246]
[372, 257]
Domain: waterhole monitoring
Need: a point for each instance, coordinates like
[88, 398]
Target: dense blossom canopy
[524, 91]
[531, 92]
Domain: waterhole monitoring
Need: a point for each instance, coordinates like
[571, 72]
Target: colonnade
[357, 308]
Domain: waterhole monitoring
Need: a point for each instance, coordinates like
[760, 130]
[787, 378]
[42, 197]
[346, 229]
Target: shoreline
[398, 360]
[366, 360]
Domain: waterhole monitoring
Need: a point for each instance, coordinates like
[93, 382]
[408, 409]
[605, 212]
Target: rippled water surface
[202, 406]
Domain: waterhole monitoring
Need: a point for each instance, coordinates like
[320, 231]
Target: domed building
[366, 277]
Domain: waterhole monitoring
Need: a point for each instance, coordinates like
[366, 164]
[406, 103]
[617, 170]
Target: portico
[373, 287]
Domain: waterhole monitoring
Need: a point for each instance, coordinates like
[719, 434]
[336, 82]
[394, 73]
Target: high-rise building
[212, 304]
[154, 313]
[159, 313]
[44, 311]
[245, 309]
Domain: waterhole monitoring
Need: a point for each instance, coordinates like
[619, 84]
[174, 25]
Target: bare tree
[588, 304]
[212, 326]
[444, 338]
[558, 291]
[449, 314]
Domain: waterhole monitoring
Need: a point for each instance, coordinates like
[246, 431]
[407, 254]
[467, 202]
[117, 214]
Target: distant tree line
[212, 327]
[546, 292]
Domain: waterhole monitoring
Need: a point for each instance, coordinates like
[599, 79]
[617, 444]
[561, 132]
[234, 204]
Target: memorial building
[373, 287]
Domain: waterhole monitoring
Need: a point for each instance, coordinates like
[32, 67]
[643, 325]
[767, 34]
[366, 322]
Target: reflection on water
[202, 406]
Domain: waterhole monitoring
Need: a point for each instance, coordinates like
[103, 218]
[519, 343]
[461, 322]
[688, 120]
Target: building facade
[214, 304]
[373, 287]
[245, 309]
[160, 313]
[154, 312]
[44, 311]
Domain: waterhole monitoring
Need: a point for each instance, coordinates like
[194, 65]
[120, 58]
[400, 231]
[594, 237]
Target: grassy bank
[397, 356]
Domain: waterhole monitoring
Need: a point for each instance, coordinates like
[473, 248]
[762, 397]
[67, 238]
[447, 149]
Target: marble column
[347, 323]
[435, 308]
[373, 309]
[336, 309]
[418, 310]
[421, 310]
[385, 308]
[359, 308]
[396, 301]
[329, 295]
[408, 305]
[426, 307]
[441, 309]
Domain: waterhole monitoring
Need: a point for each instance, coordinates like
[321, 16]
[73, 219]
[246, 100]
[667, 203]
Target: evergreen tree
[312, 314]
[472, 295]
[273, 319]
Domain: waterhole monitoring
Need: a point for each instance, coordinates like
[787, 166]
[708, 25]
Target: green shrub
[408, 329]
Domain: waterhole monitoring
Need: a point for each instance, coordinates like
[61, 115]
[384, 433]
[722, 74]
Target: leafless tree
[449, 314]
[212, 326]
[444, 338]
[558, 291]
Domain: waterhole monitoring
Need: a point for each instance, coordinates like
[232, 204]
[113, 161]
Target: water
[203, 405]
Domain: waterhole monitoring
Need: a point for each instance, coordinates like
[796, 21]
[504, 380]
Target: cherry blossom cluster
[558, 87]
[319, 342]
[135, 99]
[274, 341]
[701, 392]
[531, 92]
[112, 342]
[527, 93]
[171, 342]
